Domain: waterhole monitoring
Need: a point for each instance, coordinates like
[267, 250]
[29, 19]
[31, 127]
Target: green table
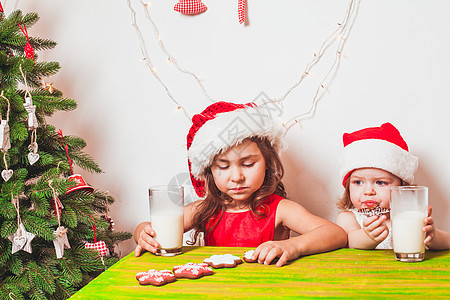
[344, 273]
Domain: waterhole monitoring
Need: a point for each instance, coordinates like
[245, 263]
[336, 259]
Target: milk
[407, 232]
[169, 230]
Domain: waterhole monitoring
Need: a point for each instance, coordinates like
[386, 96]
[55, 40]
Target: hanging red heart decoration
[190, 7]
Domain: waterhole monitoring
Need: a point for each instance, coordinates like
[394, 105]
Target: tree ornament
[47, 86]
[29, 51]
[81, 184]
[60, 242]
[31, 110]
[7, 174]
[33, 124]
[21, 239]
[5, 142]
[100, 246]
[190, 7]
[242, 9]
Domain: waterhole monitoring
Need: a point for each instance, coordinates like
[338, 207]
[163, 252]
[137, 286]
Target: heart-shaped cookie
[7, 174]
[33, 157]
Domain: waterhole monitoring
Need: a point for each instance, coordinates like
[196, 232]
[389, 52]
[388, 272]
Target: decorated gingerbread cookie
[374, 211]
[248, 256]
[192, 271]
[223, 261]
[155, 277]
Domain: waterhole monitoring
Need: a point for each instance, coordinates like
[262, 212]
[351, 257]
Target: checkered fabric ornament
[100, 246]
[242, 7]
[190, 7]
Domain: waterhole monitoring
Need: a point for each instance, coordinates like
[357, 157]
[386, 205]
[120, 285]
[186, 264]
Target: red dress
[244, 229]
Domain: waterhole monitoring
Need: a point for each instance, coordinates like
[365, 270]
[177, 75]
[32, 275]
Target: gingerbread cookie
[155, 277]
[223, 261]
[376, 211]
[192, 271]
[248, 256]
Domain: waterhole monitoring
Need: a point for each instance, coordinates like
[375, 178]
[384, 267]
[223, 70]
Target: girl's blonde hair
[216, 202]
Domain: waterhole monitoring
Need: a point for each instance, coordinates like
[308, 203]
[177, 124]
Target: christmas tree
[55, 232]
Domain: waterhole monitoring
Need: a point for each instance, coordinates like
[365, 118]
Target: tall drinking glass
[408, 211]
[166, 215]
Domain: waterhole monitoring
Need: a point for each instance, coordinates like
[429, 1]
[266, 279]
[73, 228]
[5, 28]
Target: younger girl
[235, 168]
[373, 160]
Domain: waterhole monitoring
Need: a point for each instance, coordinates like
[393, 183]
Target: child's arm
[316, 235]
[374, 230]
[435, 239]
[144, 233]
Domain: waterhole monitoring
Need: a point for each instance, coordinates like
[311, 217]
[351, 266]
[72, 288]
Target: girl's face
[240, 171]
[370, 187]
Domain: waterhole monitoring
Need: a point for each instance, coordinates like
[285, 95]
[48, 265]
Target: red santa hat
[222, 125]
[378, 147]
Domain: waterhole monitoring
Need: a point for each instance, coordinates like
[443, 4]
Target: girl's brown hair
[216, 202]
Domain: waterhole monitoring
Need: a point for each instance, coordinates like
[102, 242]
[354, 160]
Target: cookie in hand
[248, 256]
[223, 261]
[155, 277]
[192, 271]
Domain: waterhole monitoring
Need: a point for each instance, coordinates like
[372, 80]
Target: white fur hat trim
[380, 154]
[230, 128]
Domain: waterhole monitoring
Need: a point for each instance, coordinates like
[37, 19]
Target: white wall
[395, 68]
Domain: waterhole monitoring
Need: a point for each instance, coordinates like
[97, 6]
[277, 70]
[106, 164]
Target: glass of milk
[408, 211]
[166, 215]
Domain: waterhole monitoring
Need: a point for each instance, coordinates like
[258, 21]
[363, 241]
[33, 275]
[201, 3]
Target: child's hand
[376, 228]
[268, 251]
[145, 239]
[429, 227]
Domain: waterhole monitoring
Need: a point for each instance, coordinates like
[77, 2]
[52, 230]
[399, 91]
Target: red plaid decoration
[190, 7]
[100, 246]
[241, 10]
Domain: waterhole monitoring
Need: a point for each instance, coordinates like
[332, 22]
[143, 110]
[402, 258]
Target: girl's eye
[222, 167]
[248, 165]
[380, 182]
[357, 182]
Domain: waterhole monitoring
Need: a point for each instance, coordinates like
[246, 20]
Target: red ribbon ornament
[29, 51]
[67, 150]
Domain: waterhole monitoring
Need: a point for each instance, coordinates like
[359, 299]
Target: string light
[147, 60]
[339, 35]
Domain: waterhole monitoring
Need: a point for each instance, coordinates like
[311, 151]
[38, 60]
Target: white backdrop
[395, 67]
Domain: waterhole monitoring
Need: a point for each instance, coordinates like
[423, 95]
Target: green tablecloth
[344, 273]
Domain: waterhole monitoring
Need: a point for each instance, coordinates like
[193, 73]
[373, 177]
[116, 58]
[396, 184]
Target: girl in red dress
[233, 157]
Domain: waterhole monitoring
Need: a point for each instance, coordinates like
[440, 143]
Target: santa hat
[222, 125]
[378, 147]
